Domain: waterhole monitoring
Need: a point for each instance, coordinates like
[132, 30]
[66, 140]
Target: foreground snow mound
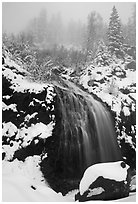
[24, 183]
[104, 181]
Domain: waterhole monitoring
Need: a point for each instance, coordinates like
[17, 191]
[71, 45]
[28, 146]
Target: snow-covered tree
[115, 37]
[102, 57]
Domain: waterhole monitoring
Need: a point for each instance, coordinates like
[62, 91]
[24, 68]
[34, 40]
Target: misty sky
[16, 15]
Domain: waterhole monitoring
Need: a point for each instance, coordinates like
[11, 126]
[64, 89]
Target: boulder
[104, 181]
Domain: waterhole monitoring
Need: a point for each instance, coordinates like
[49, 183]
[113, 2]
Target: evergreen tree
[102, 56]
[115, 37]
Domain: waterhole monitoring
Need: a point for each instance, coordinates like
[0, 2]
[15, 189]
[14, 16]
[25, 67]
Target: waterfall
[87, 135]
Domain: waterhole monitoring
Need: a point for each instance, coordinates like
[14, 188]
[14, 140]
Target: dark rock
[3, 155]
[3, 61]
[123, 165]
[125, 91]
[34, 188]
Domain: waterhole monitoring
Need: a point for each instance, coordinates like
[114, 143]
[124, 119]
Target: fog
[16, 16]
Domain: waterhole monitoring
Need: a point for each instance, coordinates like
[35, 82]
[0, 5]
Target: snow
[10, 75]
[25, 85]
[126, 111]
[6, 97]
[110, 170]
[39, 129]
[9, 107]
[23, 182]
[28, 116]
[21, 84]
[10, 150]
[9, 129]
[50, 94]
[95, 191]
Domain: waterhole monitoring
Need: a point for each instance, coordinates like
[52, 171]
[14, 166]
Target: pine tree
[102, 56]
[115, 37]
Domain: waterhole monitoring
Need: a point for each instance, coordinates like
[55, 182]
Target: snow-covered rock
[104, 181]
[28, 112]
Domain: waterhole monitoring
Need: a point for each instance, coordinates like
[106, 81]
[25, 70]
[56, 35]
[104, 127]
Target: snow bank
[23, 182]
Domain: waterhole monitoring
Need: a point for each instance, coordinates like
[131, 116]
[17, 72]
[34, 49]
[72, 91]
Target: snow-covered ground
[23, 182]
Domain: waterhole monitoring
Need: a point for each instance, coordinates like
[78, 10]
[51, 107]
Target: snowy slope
[24, 183]
[108, 84]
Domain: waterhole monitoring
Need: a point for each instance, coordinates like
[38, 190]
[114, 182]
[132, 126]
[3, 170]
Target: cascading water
[86, 133]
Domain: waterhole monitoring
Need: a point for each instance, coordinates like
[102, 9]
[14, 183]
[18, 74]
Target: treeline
[47, 32]
[45, 44]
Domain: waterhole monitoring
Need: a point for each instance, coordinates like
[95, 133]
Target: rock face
[104, 181]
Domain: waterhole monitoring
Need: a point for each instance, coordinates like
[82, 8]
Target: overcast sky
[16, 15]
